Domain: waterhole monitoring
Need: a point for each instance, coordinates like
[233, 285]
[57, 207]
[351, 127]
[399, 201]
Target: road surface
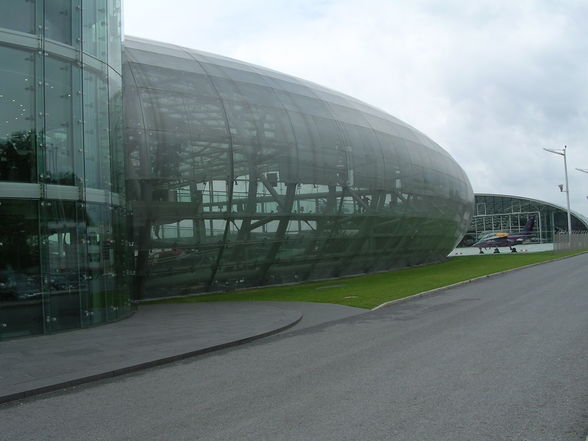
[505, 358]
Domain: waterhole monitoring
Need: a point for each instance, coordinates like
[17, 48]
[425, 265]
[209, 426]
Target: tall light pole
[583, 170]
[562, 152]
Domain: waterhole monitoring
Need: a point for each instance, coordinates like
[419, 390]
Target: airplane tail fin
[529, 225]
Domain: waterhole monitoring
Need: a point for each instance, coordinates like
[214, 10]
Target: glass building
[218, 175]
[63, 242]
[241, 176]
[499, 213]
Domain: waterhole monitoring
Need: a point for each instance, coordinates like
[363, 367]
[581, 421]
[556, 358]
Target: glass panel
[115, 35]
[20, 277]
[164, 111]
[120, 296]
[94, 29]
[172, 80]
[113, 158]
[18, 15]
[62, 258]
[59, 123]
[17, 109]
[175, 59]
[99, 270]
[96, 144]
[305, 149]
[58, 20]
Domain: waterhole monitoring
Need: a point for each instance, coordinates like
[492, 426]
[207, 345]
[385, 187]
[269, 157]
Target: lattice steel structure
[242, 176]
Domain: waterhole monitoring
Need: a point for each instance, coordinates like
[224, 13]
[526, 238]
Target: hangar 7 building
[135, 169]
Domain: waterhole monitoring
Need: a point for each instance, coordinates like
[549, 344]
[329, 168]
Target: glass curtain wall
[240, 176]
[63, 262]
[497, 213]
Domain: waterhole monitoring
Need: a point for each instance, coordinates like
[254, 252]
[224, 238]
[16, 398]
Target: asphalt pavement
[504, 358]
[154, 335]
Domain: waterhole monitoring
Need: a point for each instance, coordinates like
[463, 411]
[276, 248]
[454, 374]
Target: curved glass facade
[496, 213]
[63, 259]
[242, 176]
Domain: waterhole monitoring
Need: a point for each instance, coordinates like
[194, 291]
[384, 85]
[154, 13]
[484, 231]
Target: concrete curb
[464, 282]
[140, 366]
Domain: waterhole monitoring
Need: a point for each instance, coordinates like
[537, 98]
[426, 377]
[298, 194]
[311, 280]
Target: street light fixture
[562, 152]
[583, 170]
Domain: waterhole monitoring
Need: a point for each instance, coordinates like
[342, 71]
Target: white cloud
[492, 81]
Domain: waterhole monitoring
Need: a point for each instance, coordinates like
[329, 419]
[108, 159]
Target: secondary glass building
[241, 176]
[498, 213]
[63, 259]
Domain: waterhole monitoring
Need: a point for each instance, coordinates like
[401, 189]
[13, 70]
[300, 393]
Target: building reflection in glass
[64, 260]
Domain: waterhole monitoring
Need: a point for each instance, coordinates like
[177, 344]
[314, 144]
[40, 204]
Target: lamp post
[562, 152]
[583, 170]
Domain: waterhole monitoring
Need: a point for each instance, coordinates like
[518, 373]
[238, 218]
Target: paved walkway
[154, 335]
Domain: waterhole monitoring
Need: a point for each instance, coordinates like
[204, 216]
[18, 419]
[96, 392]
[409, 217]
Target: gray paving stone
[155, 333]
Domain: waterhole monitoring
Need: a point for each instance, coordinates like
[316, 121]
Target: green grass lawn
[372, 290]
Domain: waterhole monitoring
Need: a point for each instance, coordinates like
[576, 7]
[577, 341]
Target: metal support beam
[361, 238]
[279, 235]
[275, 194]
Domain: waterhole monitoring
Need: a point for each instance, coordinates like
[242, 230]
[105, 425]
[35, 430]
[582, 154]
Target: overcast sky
[491, 81]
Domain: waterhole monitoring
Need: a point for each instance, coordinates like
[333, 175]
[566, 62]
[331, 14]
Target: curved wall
[63, 259]
[242, 176]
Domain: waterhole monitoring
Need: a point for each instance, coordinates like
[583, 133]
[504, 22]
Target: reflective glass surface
[115, 36]
[113, 158]
[240, 176]
[21, 310]
[18, 15]
[59, 123]
[95, 29]
[504, 213]
[96, 142]
[64, 260]
[59, 18]
[17, 110]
